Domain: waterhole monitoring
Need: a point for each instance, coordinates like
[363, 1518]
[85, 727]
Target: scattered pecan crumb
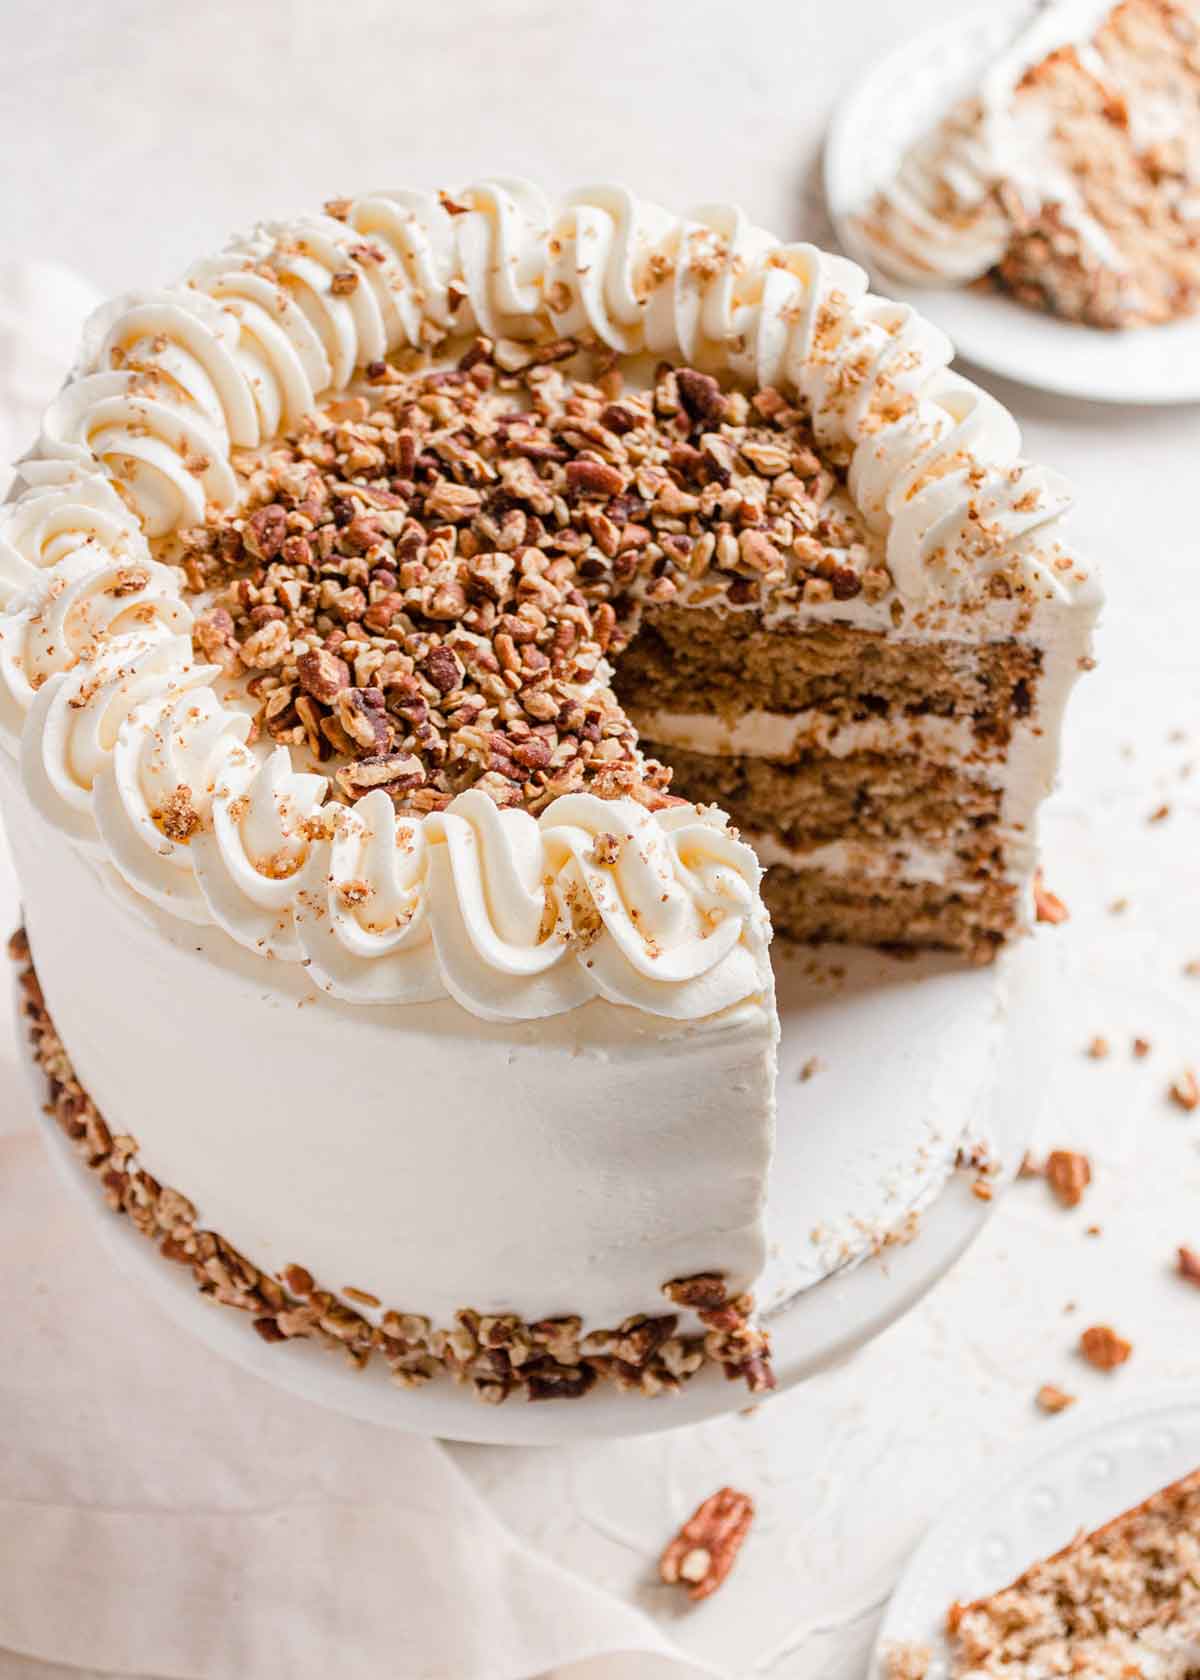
[1159, 814]
[1141, 1048]
[1098, 1048]
[981, 1190]
[1053, 1399]
[1068, 1174]
[704, 1551]
[606, 849]
[1188, 1264]
[1102, 1347]
[1118, 907]
[907, 1662]
[1093, 1230]
[1030, 1166]
[1192, 967]
[1049, 907]
[1184, 1092]
[811, 1067]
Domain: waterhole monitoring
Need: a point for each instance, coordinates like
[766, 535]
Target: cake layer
[865, 795]
[817, 907]
[696, 659]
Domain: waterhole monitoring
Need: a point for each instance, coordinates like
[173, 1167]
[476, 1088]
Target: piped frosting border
[110, 716]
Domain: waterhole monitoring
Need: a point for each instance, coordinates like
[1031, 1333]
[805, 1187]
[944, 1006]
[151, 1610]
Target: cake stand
[883, 1064]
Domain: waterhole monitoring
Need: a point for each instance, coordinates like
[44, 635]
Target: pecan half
[704, 1551]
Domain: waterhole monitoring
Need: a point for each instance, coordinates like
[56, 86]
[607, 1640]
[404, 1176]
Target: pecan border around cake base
[497, 1354]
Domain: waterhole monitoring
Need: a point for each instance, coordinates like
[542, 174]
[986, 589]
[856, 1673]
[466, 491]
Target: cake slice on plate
[1122, 1603]
[1070, 175]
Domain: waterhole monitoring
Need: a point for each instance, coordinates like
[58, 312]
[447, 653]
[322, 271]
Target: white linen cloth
[163, 1514]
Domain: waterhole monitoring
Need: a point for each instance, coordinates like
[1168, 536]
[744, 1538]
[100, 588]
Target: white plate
[1074, 1474]
[899, 98]
[899, 1024]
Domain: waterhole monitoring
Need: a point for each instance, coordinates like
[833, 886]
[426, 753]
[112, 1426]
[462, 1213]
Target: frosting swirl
[125, 746]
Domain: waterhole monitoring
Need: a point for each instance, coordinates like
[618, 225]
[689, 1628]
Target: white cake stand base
[908, 1054]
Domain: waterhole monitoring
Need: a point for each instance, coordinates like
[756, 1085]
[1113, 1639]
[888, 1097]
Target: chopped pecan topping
[439, 563]
[1053, 1399]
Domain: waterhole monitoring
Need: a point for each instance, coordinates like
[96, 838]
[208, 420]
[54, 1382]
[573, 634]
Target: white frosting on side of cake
[417, 1152]
[98, 685]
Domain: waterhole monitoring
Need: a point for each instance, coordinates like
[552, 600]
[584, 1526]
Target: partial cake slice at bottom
[1123, 1602]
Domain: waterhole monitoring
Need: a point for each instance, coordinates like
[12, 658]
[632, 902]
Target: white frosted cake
[396, 612]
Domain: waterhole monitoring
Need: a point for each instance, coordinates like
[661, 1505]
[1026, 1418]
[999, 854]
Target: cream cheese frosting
[101, 694]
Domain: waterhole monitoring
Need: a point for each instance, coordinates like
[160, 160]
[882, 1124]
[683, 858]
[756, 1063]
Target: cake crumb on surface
[1098, 1048]
[907, 1662]
[1141, 1048]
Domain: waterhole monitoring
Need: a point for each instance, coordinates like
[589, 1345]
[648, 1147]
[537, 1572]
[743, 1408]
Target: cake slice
[1070, 175]
[1122, 1603]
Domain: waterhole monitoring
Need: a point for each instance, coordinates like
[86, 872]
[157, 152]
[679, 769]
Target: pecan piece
[1051, 1398]
[704, 1551]
[322, 674]
[1068, 1174]
[1185, 1091]
[398, 772]
[360, 711]
[1047, 905]
[705, 1290]
[265, 532]
[701, 396]
[267, 647]
[1102, 1347]
[443, 668]
[593, 478]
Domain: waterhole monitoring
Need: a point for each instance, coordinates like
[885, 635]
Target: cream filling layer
[879, 860]
[758, 733]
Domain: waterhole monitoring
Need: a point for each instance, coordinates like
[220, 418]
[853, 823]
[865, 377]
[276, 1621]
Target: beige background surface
[135, 136]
